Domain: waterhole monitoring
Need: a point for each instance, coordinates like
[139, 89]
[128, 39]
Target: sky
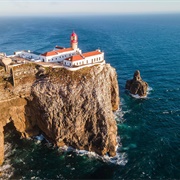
[88, 7]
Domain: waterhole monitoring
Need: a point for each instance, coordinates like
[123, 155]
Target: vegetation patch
[26, 66]
[62, 74]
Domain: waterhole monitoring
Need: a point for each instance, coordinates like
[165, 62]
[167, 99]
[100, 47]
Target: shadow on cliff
[32, 113]
[29, 159]
[10, 132]
[27, 155]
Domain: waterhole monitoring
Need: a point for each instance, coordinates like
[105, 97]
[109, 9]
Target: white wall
[60, 56]
[27, 55]
[89, 60]
[66, 63]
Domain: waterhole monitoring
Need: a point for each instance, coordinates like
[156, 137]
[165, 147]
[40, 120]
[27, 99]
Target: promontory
[73, 108]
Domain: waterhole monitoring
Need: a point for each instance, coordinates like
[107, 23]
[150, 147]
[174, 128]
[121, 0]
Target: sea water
[148, 128]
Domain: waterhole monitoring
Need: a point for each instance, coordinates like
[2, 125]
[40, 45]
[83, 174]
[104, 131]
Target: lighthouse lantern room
[74, 40]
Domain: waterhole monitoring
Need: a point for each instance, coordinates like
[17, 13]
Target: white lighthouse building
[71, 56]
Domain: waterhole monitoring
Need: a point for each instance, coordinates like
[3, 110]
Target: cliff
[73, 108]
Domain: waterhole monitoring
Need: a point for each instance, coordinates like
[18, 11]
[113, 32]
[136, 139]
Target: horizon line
[91, 14]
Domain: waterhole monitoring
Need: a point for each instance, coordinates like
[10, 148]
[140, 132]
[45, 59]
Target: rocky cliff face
[136, 85]
[70, 108]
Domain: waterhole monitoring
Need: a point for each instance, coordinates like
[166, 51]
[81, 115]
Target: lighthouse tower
[74, 40]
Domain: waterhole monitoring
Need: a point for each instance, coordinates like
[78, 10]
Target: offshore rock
[73, 108]
[136, 85]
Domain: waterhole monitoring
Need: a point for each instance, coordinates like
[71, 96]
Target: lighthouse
[74, 40]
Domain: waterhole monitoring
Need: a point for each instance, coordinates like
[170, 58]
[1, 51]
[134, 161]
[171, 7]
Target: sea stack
[137, 86]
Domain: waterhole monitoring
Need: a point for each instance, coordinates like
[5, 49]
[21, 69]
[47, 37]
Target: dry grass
[63, 75]
[25, 66]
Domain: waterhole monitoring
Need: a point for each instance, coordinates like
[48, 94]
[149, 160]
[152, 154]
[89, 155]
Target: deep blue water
[150, 132]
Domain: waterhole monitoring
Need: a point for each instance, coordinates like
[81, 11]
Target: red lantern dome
[74, 37]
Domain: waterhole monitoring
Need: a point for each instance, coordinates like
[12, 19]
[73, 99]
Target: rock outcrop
[73, 108]
[1, 144]
[136, 85]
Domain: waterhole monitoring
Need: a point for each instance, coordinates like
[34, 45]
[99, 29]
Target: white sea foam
[40, 137]
[119, 159]
[165, 112]
[138, 97]
[149, 89]
[118, 115]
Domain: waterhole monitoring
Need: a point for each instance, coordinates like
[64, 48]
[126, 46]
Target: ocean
[148, 128]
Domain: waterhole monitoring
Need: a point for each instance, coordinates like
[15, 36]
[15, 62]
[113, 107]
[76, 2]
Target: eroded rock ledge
[71, 108]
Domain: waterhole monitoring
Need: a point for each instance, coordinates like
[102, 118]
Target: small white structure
[71, 57]
[28, 55]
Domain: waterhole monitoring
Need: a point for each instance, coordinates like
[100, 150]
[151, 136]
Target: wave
[172, 90]
[149, 88]
[7, 170]
[138, 97]
[118, 115]
[119, 159]
[171, 112]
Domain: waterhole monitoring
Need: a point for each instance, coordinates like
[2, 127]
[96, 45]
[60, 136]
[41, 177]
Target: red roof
[73, 34]
[55, 52]
[75, 58]
[50, 53]
[92, 53]
[83, 56]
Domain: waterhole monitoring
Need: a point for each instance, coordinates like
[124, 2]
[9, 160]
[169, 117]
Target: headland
[73, 108]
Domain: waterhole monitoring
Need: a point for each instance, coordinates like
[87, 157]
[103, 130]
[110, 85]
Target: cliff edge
[73, 108]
